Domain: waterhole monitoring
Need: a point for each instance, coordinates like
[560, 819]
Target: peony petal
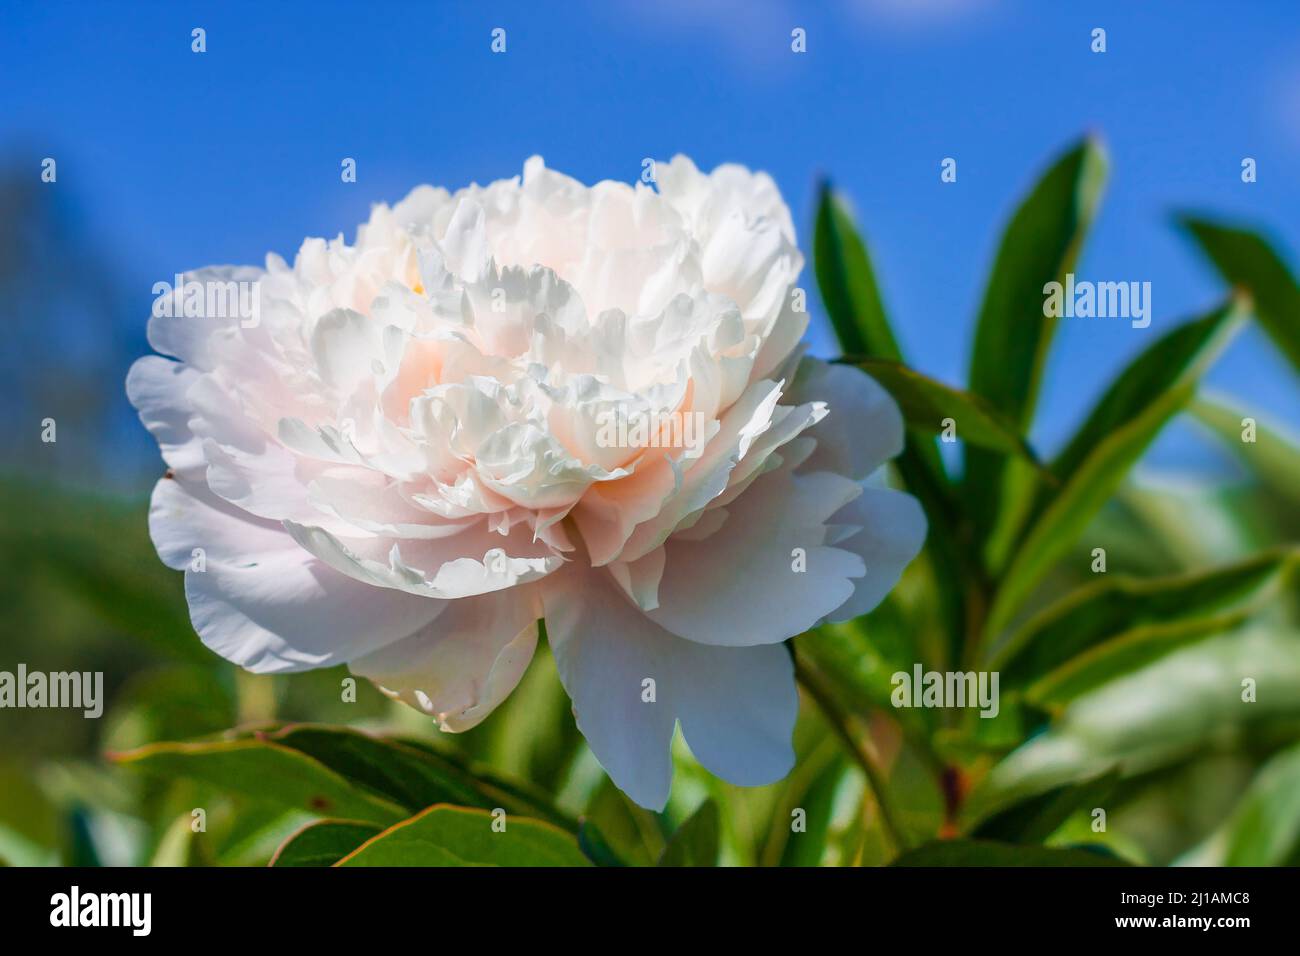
[259, 600]
[892, 533]
[463, 664]
[474, 561]
[780, 344]
[639, 579]
[157, 388]
[737, 705]
[188, 337]
[864, 427]
[346, 346]
[185, 515]
[743, 585]
[706, 478]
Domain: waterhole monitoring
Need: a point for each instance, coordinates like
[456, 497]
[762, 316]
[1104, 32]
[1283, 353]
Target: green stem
[856, 742]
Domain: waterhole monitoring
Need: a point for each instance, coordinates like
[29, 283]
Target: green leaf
[1123, 654]
[859, 658]
[265, 770]
[1273, 458]
[411, 776]
[848, 288]
[532, 735]
[926, 402]
[696, 841]
[1012, 335]
[1037, 818]
[1265, 827]
[31, 819]
[809, 790]
[179, 845]
[1179, 355]
[1069, 509]
[455, 836]
[1158, 716]
[82, 850]
[852, 298]
[990, 853]
[848, 283]
[1246, 260]
[1175, 357]
[1116, 603]
[323, 843]
[596, 847]
[169, 703]
[633, 833]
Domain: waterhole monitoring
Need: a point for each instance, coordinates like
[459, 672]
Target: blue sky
[176, 160]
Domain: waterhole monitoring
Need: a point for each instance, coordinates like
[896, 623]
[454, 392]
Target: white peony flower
[409, 456]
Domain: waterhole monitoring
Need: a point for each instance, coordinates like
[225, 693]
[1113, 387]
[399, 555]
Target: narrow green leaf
[633, 833]
[593, 843]
[926, 402]
[806, 847]
[408, 775]
[1184, 352]
[1123, 654]
[81, 849]
[1037, 818]
[859, 658]
[268, 771]
[696, 841]
[849, 291]
[1265, 827]
[179, 845]
[323, 843]
[1246, 260]
[1039, 246]
[848, 283]
[809, 793]
[1116, 603]
[1012, 335]
[1273, 458]
[1087, 487]
[1158, 716]
[444, 835]
[990, 853]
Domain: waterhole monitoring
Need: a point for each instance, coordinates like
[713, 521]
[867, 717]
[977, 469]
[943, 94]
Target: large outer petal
[157, 387]
[265, 603]
[862, 431]
[737, 706]
[188, 337]
[742, 585]
[863, 428]
[891, 532]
